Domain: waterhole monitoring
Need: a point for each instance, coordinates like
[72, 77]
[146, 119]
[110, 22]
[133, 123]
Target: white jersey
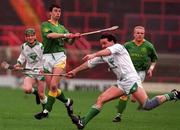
[120, 63]
[32, 55]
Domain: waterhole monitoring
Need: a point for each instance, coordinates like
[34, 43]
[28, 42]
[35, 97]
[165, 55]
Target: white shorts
[142, 75]
[54, 60]
[129, 84]
[37, 77]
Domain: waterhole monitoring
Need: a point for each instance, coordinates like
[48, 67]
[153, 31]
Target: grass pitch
[17, 113]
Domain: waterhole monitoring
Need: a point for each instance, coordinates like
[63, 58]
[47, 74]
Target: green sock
[121, 106]
[169, 96]
[92, 113]
[49, 104]
[62, 98]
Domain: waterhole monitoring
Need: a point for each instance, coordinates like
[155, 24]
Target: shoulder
[117, 45]
[39, 44]
[23, 45]
[44, 23]
[62, 27]
[148, 44]
[129, 43]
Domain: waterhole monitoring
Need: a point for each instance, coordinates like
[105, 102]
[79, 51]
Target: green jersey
[53, 45]
[142, 55]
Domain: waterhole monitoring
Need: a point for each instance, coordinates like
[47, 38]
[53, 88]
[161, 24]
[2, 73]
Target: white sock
[45, 111]
[32, 90]
[68, 102]
[44, 101]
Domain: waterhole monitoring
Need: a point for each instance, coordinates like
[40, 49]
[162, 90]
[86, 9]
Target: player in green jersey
[54, 37]
[144, 57]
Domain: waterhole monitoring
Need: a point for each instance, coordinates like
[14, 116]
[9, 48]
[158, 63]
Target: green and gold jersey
[142, 55]
[53, 45]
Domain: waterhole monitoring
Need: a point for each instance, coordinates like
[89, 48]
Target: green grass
[17, 111]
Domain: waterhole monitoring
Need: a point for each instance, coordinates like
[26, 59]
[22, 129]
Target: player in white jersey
[128, 81]
[32, 56]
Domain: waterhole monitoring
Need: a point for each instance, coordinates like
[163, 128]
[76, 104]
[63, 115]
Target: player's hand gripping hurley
[37, 72]
[7, 66]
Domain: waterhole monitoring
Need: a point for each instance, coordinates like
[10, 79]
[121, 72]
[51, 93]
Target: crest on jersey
[33, 57]
[111, 61]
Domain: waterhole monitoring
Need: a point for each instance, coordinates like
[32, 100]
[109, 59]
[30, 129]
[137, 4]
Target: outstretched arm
[104, 52]
[83, 66]
[67, 35]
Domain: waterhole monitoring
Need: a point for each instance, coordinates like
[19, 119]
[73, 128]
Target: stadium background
[161, 19]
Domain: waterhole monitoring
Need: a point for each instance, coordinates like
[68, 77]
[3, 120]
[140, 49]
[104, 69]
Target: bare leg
[108, 95]
[28, 85]
[148, 104]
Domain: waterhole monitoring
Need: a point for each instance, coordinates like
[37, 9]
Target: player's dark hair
[53, 6]
[109, 36]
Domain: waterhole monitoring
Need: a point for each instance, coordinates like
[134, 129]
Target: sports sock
[44, 100]
[91, 114]
[34, 91]
[169, 96]
[50, 101]
[61, 96]
[122, 105]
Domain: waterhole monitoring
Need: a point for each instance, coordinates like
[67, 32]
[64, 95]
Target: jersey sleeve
[21, 59]
[95, 61]
[116, 48]
[65, 30]
[153, 54]
[45, 30]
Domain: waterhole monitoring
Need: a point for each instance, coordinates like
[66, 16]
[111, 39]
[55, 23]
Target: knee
[27, 90]
[147, 106]
[151, 104]
[41, 95]
[100, 101]
[53, 88]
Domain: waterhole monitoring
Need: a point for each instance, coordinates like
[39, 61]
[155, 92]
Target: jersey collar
[139, 44]
[55, 24]
[35, 43]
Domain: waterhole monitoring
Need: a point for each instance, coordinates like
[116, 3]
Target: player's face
[139, 34]
[56, 13]
[30, 38]
[105, 43]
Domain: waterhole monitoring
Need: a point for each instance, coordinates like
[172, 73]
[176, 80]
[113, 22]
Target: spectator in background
[54, 37]
[144, 57]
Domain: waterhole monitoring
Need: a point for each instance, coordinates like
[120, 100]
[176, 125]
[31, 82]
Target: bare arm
[67, 35]
[83, 66]
[55, 35]
[104, 52]
[151, 68]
